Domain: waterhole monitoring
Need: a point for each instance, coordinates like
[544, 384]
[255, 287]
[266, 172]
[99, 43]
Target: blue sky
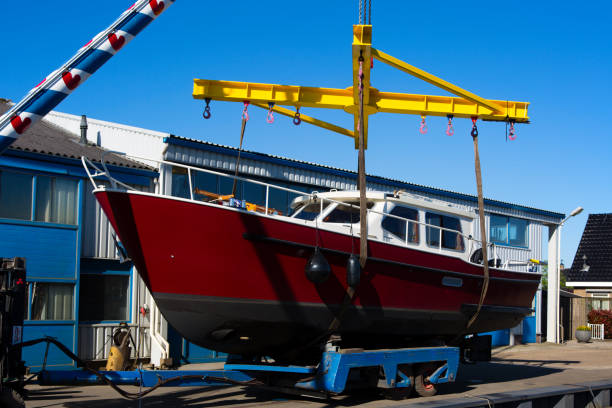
[556, 55]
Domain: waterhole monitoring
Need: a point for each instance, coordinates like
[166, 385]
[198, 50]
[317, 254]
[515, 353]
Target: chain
[360, 11]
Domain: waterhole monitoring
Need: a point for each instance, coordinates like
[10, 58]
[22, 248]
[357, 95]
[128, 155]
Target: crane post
[63, 81]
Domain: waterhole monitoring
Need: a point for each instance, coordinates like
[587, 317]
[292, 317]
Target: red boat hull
[234, 281]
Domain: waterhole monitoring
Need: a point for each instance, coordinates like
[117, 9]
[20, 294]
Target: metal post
[64, 80]
[552, 306]
[190, 183]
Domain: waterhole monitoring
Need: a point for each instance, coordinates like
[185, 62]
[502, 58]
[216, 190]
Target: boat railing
[474, 244]
[95, 171]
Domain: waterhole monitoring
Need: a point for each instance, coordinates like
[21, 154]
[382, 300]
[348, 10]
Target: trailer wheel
[423, 387]
[10, 398]
[396, 394]
[400, 393]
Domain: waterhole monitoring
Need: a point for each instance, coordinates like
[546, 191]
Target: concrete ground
[513, 368]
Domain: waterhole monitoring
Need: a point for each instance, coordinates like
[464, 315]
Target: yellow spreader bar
[331, 98]
[464, 105]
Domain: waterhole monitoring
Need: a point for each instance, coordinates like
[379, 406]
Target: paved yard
[513, 368]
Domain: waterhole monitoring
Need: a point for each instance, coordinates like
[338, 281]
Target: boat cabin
[398, 218]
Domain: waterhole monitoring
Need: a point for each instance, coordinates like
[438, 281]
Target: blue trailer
[396, 372]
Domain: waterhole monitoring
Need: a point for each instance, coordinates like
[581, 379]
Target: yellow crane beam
[332, 98]
[465, 105]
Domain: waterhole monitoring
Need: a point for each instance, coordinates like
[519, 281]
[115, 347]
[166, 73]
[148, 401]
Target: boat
[231, 276]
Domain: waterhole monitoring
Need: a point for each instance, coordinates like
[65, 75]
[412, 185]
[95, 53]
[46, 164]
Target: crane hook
[206, 113]
[270, 117]
[449, 128]
[423, 127]
[511, 132]
[296, 117]
[474, 132]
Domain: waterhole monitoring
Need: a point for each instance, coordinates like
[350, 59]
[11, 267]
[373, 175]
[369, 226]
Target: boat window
[311, 211]
[450, 239]
[397, 226]
[345, 213]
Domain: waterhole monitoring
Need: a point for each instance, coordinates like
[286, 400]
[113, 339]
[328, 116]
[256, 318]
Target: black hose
[102, 377]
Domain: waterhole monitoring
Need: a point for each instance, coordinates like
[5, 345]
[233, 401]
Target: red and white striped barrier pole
[60, 83]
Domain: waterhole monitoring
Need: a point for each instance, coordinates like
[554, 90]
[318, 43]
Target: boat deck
[515, 371]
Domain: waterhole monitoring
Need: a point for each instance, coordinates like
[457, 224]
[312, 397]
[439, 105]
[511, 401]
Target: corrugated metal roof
[46, 138]
[203, 145]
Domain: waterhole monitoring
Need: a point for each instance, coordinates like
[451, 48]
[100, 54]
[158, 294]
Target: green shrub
[583, 328]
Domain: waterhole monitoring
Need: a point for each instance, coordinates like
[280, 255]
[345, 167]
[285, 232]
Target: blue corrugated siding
[50, 252]
[529, 330]
[34, 355]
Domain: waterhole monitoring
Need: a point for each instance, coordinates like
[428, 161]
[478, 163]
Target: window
[227, 183]
[278, 200]
[508, 230]
[600, 304]
[56, 200]
[311, 211]
[104, 297]
[450, 239]
[52, 301]
[15, 195]
[345, 213]
[254, 193]
[180, 182]
[397, 227]
[203, 181]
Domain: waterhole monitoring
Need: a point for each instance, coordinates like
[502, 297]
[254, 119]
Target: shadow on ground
[469, 377]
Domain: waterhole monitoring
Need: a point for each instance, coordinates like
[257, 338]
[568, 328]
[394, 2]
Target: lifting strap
[483, 232]
[363, 205]
[361, 183]
[245, 118]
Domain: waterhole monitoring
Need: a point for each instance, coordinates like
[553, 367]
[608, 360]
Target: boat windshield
[310, 211]
[345, 213]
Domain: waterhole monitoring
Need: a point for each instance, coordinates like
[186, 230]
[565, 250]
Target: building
[518, 231]
[78, 289]
[591, 273]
